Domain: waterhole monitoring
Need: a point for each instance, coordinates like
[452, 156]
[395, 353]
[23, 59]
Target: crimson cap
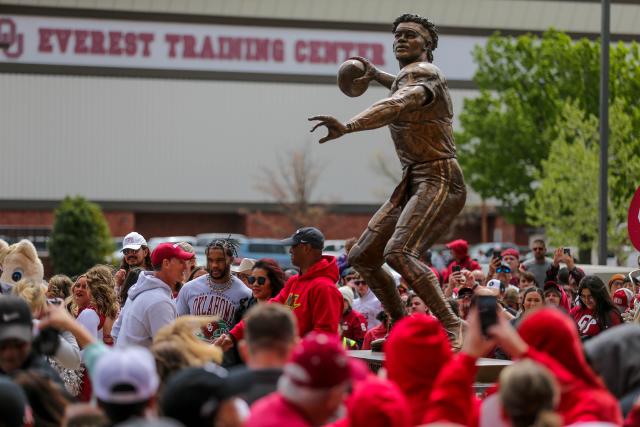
[320, 362]
[167, 251]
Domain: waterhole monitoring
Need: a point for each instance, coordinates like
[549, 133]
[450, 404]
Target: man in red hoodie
[460, 251]
[312, 295]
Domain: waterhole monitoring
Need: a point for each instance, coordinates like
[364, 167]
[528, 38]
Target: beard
[217, 275]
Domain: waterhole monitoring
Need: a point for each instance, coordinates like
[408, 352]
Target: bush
[80, 237]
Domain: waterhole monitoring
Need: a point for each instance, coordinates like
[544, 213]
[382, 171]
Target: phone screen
[455, 268]
[488, 309]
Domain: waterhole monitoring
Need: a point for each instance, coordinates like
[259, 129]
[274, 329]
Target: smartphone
[567, 251]
[488, 309]
[455, 268]
[496, 254]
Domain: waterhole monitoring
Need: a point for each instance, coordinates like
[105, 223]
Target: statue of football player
[432, 191]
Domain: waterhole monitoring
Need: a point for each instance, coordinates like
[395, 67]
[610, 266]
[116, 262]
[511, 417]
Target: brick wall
[186, 224]
[120, 222]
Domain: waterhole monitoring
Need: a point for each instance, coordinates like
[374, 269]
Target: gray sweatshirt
[148, 308]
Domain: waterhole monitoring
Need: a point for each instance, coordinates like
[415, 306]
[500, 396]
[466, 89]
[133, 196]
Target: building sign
[39, 40]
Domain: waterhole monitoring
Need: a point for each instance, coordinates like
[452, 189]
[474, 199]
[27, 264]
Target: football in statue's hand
[349, 71]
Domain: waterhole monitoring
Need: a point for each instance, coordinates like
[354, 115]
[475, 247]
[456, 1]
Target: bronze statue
[431, 193]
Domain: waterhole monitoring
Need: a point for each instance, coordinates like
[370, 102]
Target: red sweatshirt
[415, 352]
[554, 342]
[313, 297]
[354, 326]
[452, 398]
[373, 334]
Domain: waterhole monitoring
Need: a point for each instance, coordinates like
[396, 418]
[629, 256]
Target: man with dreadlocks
[217, 293]
[432, 191]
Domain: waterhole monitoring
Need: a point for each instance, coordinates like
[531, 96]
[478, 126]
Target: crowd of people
[159, 340]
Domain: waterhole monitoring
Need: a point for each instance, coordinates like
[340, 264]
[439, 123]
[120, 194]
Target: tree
[524, 84]
[565, 199]
[80, 237]
[291, 185]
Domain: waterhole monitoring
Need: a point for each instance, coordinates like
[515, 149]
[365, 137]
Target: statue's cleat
[378, 345]
[456, 334]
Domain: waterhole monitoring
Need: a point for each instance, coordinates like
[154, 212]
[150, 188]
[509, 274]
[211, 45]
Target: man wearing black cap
[312, 295]
[205, 396]
[16, 340]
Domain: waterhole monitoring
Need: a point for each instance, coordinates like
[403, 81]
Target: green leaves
[80, 237]
[525, 84]
[565, 199]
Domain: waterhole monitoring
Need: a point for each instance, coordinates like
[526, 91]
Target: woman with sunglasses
[594, 311]
[266, 280]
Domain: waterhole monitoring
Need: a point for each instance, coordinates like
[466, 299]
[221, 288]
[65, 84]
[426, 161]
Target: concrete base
[488, 369]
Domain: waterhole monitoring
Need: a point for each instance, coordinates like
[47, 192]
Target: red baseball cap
[512, 252]
[320, 362]
[459, 246]
[167, 251]
[622, 298]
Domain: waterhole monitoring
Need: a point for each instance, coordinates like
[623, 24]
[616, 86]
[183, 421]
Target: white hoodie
[148, 308]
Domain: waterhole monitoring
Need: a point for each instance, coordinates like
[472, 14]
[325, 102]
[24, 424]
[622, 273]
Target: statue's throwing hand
[335, 128]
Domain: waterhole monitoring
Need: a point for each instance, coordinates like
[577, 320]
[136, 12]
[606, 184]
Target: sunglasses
[503, 270]
[130, 251]
[253, 279]
[359, 282]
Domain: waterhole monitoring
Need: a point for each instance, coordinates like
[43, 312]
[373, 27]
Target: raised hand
[334, 127]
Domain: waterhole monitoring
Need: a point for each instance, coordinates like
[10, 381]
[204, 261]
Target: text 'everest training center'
[176, 116]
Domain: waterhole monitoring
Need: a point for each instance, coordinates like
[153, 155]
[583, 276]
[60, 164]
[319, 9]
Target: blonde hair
[62, 285]
[33, 292]
[101, 284]
[529, 394]
[182, 332]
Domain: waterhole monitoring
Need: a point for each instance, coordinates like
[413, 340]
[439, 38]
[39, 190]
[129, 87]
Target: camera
[46, 341]
[567, 251]
[488, 310]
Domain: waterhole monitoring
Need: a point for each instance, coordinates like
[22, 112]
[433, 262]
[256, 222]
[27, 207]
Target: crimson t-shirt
[274, 411]
[587, 322]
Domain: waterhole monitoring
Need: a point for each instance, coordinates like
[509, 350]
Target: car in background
[334, 248]
[254, 248]
[153, 242]
[116, 256]
[482, 252]
[203, 239]
[334, 245]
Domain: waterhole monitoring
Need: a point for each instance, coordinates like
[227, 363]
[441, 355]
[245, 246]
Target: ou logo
[10, 39]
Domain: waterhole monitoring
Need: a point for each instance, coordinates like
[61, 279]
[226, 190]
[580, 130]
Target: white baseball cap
[126, 375]
[133, 241]
[245, 266]
[495, 284]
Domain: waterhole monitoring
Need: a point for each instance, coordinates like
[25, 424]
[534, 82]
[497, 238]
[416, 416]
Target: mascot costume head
[18, 261]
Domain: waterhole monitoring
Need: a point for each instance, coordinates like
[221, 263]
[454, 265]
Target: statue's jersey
[425, 133]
